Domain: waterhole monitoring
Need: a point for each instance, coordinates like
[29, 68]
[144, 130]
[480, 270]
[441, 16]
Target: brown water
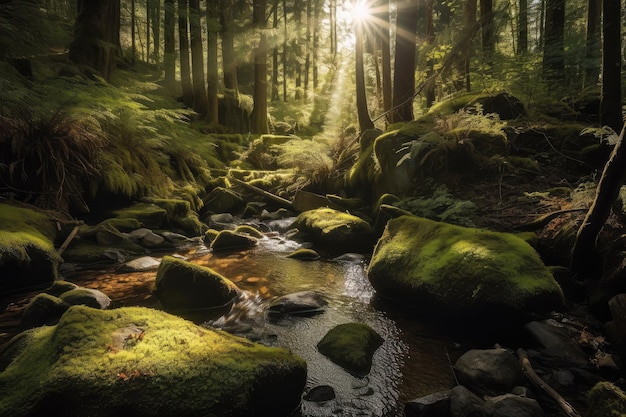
[414, 360]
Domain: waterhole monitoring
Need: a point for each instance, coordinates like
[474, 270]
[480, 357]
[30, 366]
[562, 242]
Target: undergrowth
[441, 206]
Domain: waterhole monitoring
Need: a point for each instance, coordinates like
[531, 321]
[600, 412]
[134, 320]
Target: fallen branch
[544, 219]
[68, 240]
[281, 201]
[542, 385]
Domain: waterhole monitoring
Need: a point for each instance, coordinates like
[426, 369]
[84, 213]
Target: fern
[441, 206]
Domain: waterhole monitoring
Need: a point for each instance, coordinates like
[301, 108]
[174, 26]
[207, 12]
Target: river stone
[467, 276]
[511, 405]
[228, 240]
[557, 341]
[464, 403]
[334, 230]
[246, 229]
[304, 254]
[351, 346]
[433, 405]
[43, 309]
[490, 370]
[59, 287]
[304, 303]
[606, 399]
[320, 394]
[222, 200]
[171, 367]
[181, 285]
[144, 263]
[86, 296]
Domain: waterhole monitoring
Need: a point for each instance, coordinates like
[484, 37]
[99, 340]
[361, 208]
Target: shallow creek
[415, 359]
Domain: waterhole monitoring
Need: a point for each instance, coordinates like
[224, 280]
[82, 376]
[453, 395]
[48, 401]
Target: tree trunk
[404, 68]
[554, 47]
[462, 76]
[582, 264]
[522, 29]
[96, 41]
[333, 27]
[297, 16]
[155, 21]
[285, 72]
[611, 101]
[169, 58]
[383, 31]
[593, 42]
[148, 28]
[307, 60]
[212, 23]
[132, 32]
[200, 103]
[228, 49]
[486, 29]
[185, 66]
[275, 55]
[365, 122]
[316, 41]
[259, 122]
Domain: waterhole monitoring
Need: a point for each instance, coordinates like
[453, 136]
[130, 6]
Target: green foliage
[442, 206]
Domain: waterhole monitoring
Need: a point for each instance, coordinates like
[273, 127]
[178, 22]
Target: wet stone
[304, 303]
[320, 394]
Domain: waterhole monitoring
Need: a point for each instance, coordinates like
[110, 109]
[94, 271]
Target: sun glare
[360, 11]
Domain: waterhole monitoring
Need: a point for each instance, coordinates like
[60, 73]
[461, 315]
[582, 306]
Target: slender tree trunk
[593, 42]
[285, 71]
[316, 41]
[148, 28]
[554, 47]
[200, 103]
[404, 68]
[156, 29]
[228, 49]
[307, 60]
[611, 102]
[386, 59]
[96, 41]
[522, 23]
[259, 121]
[333, 27]
[486, 29]
[132, 32]
[275, 55]
[212, 23]
[169, 58]
[297, 15]
[365, 122]
[430, 38]
[185, 66]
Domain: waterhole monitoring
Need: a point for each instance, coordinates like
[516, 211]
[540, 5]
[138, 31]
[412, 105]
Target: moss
[124, 225]
[304, 254]
[461, 272]
[364, 171]
[27, 253]
[59, 287]
[606, 400]
[249, 230]
[456, 103]
[222, 200]
[149, 215]
[173, 207]
[351, 346]
[43, 309]
[210, 235]
[138, 361]
[228, 240]
[188, 225]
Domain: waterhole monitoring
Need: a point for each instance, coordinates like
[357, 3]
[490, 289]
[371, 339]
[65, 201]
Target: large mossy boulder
[136, 361]
[462, 274]
[334, 231]
[351, 346]
[182, 286]
[605, 399]
[27, 254]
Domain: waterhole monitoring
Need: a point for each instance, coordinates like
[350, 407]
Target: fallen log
[565, 407]
[283, 202]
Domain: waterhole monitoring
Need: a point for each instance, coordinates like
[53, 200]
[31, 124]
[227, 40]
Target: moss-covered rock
[188, 225]
[86, 296]
[181, 285]
[27, 254]
[209, 236]
[304, 254]
[351, 346]
[249, 230]
[142, 362]
[606, 400]
[149, 215]
[461, 273]
[43, 309]
[59, 287]
[334, 230]
[222, 200]
[228, 240]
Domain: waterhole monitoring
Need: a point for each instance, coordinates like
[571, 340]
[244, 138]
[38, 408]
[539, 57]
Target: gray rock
[510, 405]
[304, 303]
[491, 370]
[152, 240]
[320, 394]
[557, 341]
[139, 234]
[86, 296]
[59, 287]
[433, 405]
[227, 240]
[464, 403]
[145, 263]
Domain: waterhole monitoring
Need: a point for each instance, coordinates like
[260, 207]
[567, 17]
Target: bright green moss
[148, 363]
[351, 345]
[606, 400]
[149, 215]
[249, 230]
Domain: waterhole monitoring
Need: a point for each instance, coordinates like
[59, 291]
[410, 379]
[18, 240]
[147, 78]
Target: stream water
[414, 360]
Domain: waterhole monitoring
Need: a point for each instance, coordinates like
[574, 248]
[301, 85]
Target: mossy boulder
[249, 230]
[462, 274]
[143, 362]
[351, 346]
[27, 254]
[304, 254]
[222, 200]
[228, 240]
[334, 230]
[147, 214]
[59, 287]
[606, 400]
[86, 296]
[181, 285]
[43, 309]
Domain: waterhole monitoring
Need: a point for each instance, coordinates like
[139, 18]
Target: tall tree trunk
[156, 29]
[486, 29]
[404, 68]
[593, 42]
[228, 49]
[462, 77]
[386, 59]
[316, 41]
[582, 264]
[430, 38]
[333, 27]
[297, 16]
[148, 28]
[213, 25]
[169, 58]
[185, 66]
[132, 32]
[611, 102]
[522, 23]
[200, 103]
[365, 122]
[259, 121]
[275, 55]
[285, 72]
[96, 41]
[554, 46]
[307, 60]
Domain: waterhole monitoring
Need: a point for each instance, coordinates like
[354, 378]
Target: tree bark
[383, 33]
[611, 102]
[96, 41]
[582, 266]
[259, 121]
[185, 66]
[522, 23]
[132, 32]
[404, 68]
[213, 26]
[228, 49]
[554, 47]
[169, 58]
[297, 16]
[486, 29]
[275, 55]
[365, 122]
[200, 102]
[462, 64]
[285, 49]
[593, 42]
[307, 59]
